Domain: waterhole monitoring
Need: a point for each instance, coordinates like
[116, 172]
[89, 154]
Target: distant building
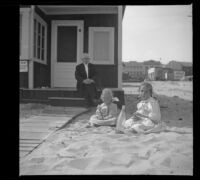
[151, 64]
[181, 66]
[159, 73]
[187, 68]
[174, 65]
[168, 74]
[134, 71]
[156, 73]
[155, 70]
[178, 75]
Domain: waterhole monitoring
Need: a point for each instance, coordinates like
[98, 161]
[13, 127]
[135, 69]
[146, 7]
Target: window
[101, 45]
[39, 39]
[66, 43]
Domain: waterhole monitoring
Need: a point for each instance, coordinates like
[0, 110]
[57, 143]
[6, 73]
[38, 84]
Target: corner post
[31, 62]
[120, 47]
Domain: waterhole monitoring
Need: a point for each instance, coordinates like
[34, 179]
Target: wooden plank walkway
[35, 129]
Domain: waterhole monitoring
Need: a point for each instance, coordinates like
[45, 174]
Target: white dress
[105, 115]
[149, 108]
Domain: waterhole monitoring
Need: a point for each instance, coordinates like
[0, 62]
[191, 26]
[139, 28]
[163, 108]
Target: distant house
[156, 73]
[168, 74]
[174, 65]
[181, 66]
[151, 64]
[159, 73]
[187, 68]
[178, 75]
[134, 71]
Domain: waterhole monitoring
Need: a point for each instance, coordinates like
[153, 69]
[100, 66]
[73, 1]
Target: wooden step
[66, 101]
[38, 95]
[41, 101]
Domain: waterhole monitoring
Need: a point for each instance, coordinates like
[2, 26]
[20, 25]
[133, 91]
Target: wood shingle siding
[23, 79]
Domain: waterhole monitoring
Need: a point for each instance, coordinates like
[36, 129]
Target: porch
[53, 38]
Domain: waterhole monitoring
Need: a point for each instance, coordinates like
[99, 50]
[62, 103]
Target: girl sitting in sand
[106, 113]
[146, 118]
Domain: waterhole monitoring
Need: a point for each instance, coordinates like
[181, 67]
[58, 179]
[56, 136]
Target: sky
[162, 33]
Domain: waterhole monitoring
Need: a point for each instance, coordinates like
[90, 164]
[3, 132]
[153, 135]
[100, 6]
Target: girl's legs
[126, 126]
[123, 125]
[90, 123]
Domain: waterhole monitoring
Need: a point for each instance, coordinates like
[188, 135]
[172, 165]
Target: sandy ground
[79, 150]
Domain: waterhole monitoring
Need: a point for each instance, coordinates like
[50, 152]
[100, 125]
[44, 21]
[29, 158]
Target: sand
[79, 150]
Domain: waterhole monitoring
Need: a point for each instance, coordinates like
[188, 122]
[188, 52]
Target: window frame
[43, 23]
[111, 40]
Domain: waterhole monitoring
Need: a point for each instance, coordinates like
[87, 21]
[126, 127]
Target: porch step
[66, 101]
[58, 96]
[41, 101]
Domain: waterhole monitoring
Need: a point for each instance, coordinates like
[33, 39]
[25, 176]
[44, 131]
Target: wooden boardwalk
[35, 129]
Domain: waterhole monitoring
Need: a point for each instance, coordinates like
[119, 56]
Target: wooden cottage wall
[23, 76]
[108, 74]
[42, 71]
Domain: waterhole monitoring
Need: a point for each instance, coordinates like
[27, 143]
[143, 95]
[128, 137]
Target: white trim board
[120, 47]
[63, 9]
[25, 33]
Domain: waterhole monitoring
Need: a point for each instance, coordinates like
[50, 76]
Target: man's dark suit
[89, 91]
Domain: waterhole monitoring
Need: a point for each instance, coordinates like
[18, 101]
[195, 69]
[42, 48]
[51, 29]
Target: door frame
[54, 25]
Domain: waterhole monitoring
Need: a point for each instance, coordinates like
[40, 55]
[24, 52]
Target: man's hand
[91, 80]
[88, 81]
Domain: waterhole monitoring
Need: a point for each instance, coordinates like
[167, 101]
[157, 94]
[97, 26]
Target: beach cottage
[52, 40]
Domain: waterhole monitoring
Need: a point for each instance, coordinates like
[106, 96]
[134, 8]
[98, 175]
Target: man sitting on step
[85, 75]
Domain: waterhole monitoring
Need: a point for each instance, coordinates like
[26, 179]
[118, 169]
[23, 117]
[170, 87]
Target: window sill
[40, 61]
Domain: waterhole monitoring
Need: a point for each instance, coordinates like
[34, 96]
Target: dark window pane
[34, 51]
[42, 54]
[35, 39]
[67, 44]
[34, 44]
[39, 27]
[42, 42]
[38, 42]
[35, 25]
[38, 53]
[43, 31]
